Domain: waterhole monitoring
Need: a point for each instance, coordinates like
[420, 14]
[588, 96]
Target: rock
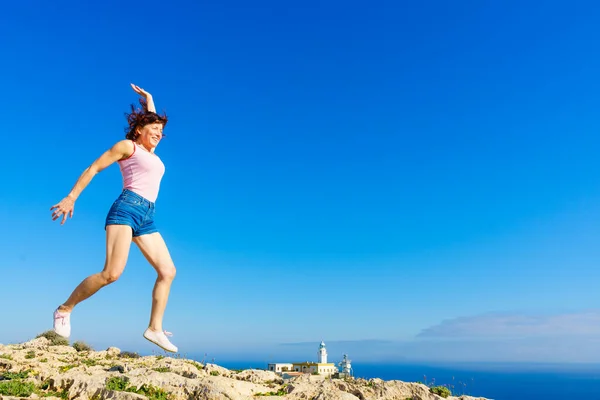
[62, 350]
[117, 368]
[107, 375]
[259, 376]
[39, 343]
[185, 368]
[32, 397]
[116, 395]
[216, 370]
[322, 395]
[113, 351]
[465, 397]
[6, 364]
[84, 385]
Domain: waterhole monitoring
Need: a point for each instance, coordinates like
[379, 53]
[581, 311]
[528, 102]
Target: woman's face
[150, 135]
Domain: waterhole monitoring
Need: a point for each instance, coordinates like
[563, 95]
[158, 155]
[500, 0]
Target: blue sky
[403, 181]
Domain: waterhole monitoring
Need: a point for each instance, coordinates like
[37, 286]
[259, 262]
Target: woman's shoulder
[125, 147]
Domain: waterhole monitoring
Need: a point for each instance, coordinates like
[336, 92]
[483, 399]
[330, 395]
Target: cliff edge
[40, 368]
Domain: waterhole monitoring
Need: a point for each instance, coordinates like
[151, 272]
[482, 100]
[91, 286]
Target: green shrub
[44, 391]
[152, 393]
[441, 391]
[215, 373]
[82, 346]
[129, 354]
[16, 388]
[118, 383]
[65, 368]
[277, 393]
[121, 384]
[64, 394]
[90, 362]
[6, 356]
[30, 354]
[15, 375]
[280, 392]
[162, 369]
[54, 338]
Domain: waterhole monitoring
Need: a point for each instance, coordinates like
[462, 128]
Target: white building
[281, 367]
[321, 367]
[315, 368]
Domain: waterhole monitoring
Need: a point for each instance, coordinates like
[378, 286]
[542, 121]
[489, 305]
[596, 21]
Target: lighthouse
[322, 354]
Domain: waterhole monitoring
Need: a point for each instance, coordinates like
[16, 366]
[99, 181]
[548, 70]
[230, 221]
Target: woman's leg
[154, 248]
[118, 243]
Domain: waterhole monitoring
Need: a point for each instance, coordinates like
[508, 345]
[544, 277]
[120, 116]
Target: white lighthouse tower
[322, 354]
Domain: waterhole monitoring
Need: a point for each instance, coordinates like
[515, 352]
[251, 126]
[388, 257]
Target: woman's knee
[112, 271]
[167, 273]
[110, 276]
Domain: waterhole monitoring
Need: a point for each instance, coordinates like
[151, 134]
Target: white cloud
[506, 326]
[499, 337]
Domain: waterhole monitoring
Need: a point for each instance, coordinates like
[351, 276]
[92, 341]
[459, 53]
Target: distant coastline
[458, 365]
[498, 381]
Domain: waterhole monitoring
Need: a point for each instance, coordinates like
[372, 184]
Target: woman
[131, 218]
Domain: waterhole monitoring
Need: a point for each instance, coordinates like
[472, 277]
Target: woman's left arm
[146, 95]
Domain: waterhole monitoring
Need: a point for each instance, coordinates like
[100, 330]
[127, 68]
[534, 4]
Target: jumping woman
[130, 218]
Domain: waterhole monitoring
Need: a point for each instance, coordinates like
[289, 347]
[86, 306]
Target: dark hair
[140, 118]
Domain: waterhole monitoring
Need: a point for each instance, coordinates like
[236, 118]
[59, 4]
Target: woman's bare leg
[154, 248]
[118, 243]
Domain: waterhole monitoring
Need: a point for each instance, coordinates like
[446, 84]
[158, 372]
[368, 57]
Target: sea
[492, 381]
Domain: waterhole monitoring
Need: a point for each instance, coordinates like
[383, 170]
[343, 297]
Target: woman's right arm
[120, 150]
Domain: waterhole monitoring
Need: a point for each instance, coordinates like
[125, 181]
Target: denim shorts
[132, 209]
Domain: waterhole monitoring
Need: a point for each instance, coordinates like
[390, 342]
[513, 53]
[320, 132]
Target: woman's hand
[145, 95]
[64, 208]
[140, 91]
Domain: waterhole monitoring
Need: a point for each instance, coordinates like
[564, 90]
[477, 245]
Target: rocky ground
[40, 368]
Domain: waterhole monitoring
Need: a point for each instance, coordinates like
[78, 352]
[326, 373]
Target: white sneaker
[160, 339]
[62, 323]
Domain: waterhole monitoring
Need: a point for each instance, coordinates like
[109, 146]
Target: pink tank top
[142, 172]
